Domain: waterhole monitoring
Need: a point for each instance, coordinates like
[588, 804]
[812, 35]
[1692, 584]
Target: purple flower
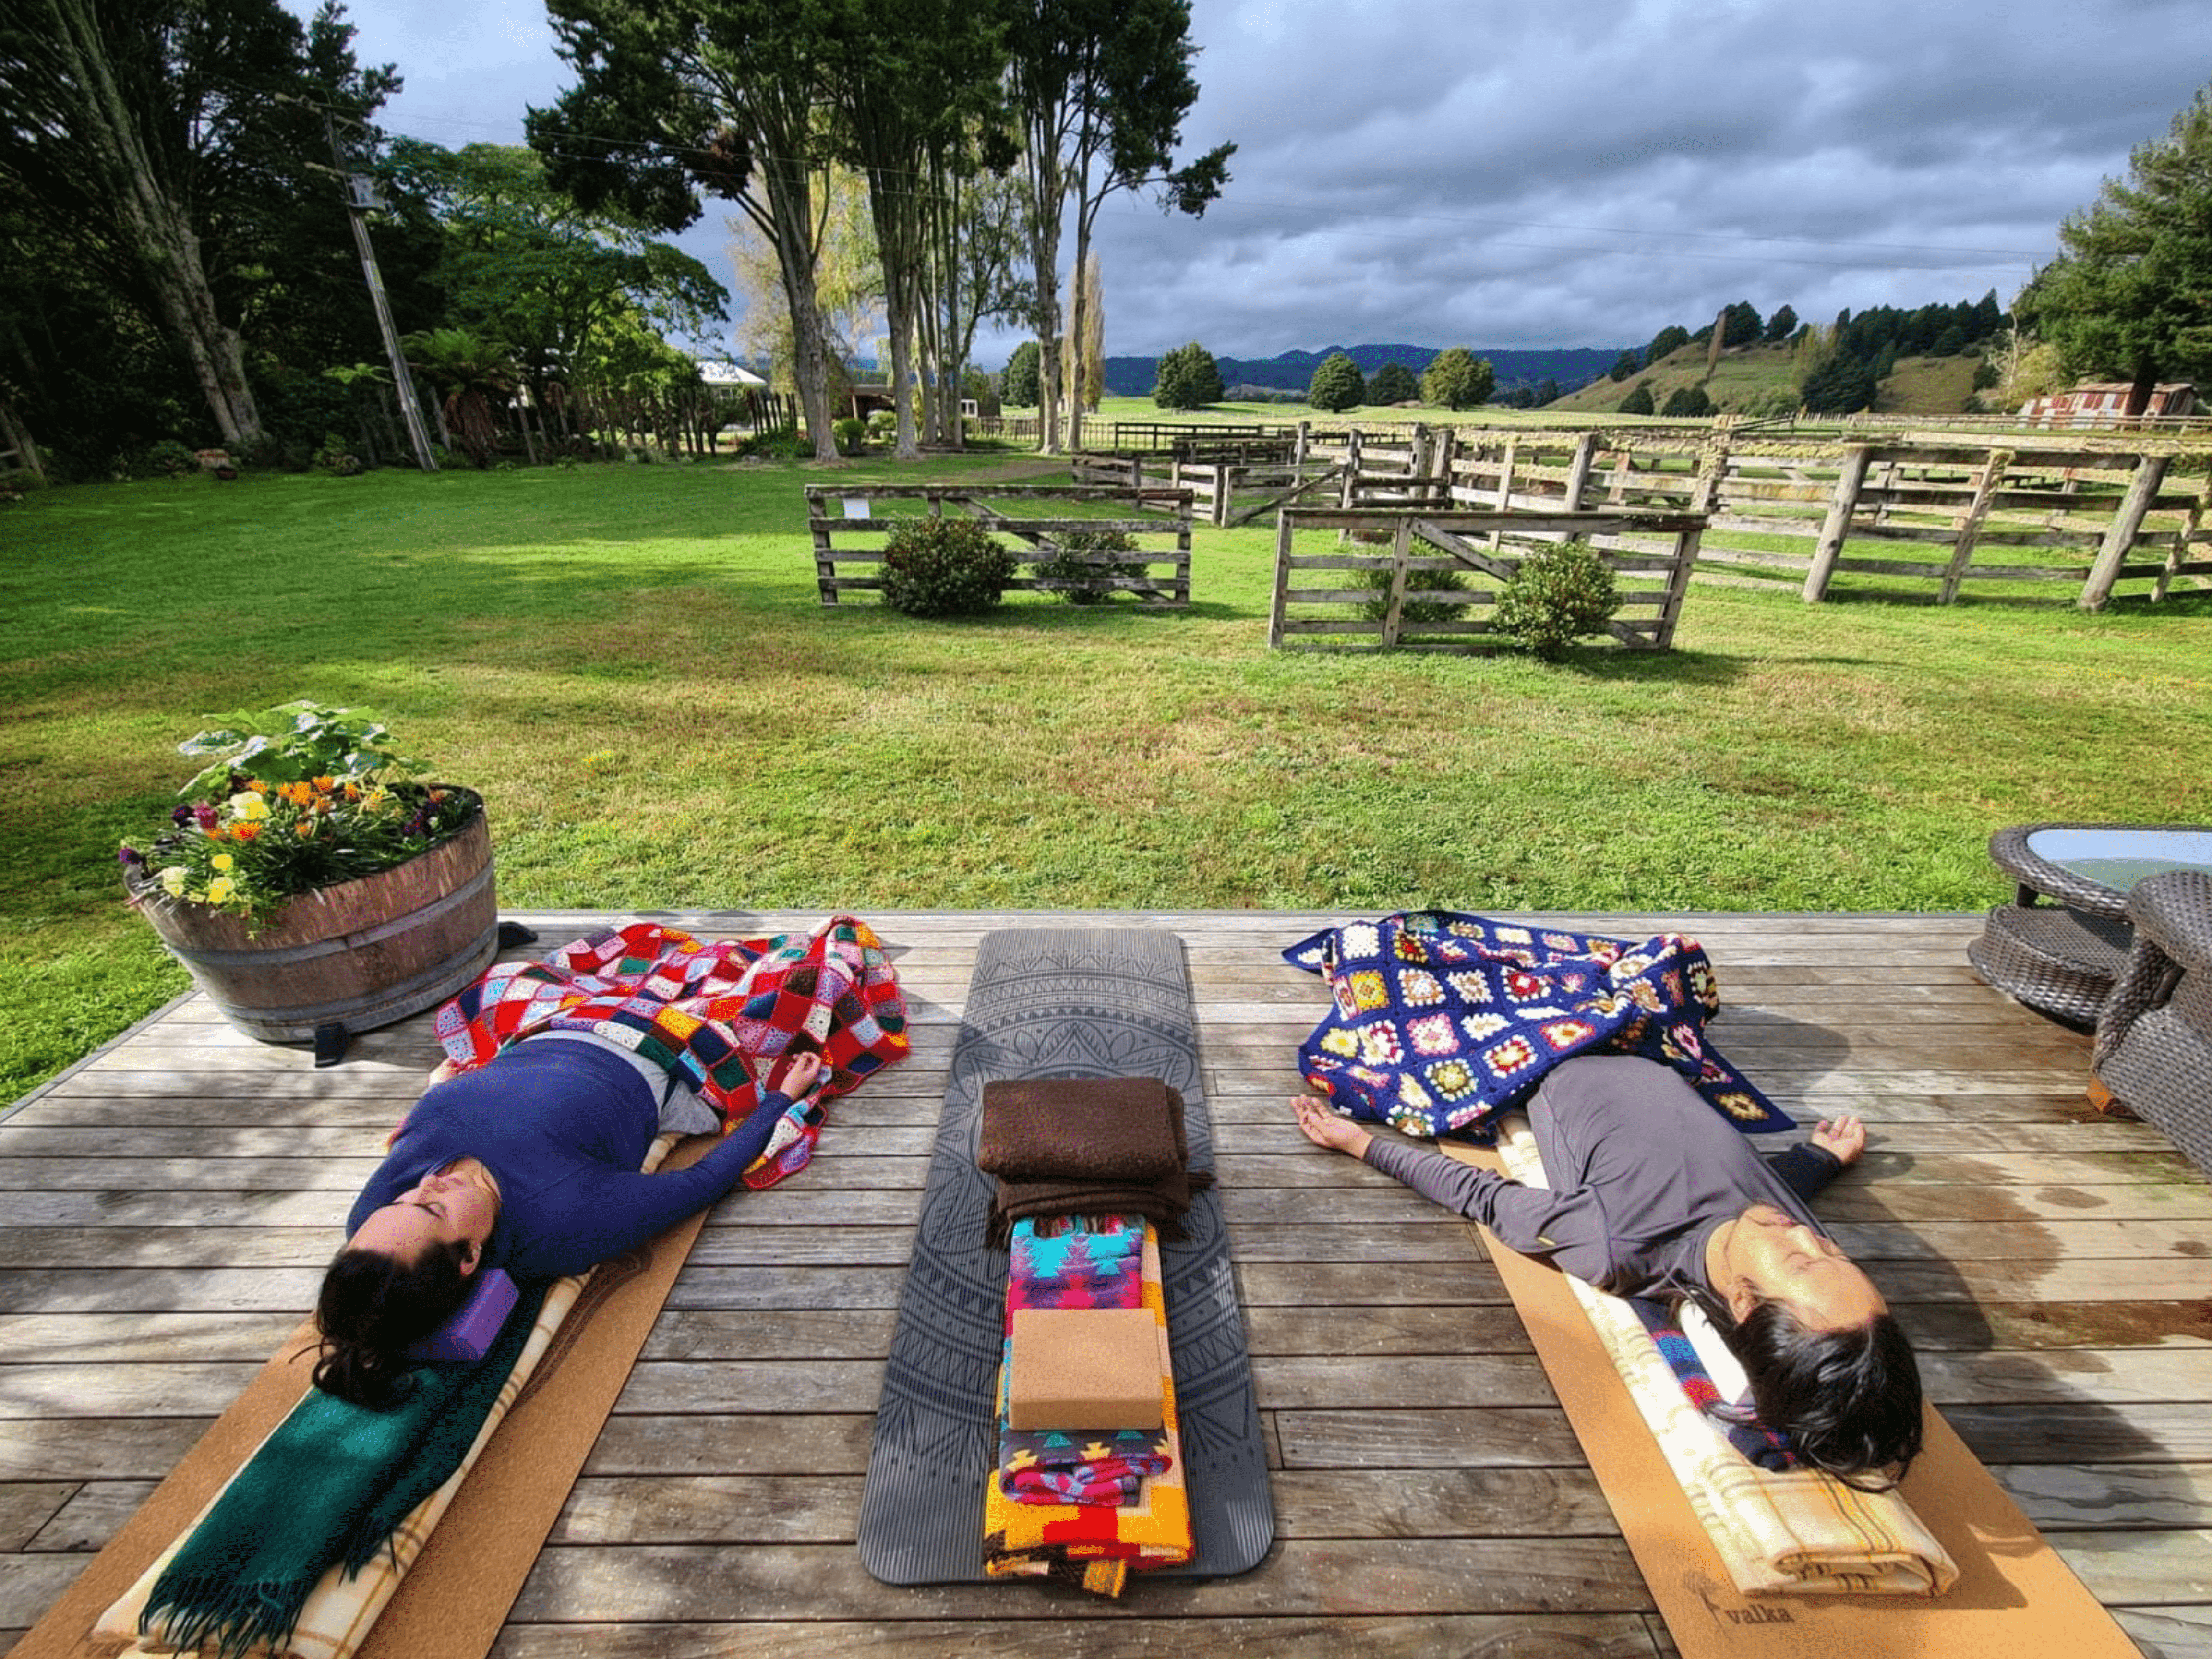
[128, 857]
[180, 815]
[206, 815]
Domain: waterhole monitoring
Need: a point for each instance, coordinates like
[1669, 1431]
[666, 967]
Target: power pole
[361, 196]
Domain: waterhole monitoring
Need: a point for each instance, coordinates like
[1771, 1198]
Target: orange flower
[352, 791]
[216, 832]
[244, 831]
[325, 785]
[298, 794]
[436, 795]
[256, 786]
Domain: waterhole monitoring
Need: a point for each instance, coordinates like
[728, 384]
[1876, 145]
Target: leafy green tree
[2130, 294]
[1781, 325]
[1394, 383]
[1022, 376]
[168, 150]
[476, 376]
[1667, 342]
[1457, 379]
[1841, 384]
[1337, 384]
[1688, 400]
[1638, 401]
[732, 97]
[1625, 365]
[1547, 391]
[1099, 89]
[1740, 324]
[1189, 378]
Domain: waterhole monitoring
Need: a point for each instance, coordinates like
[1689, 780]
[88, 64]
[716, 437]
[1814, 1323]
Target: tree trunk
[2139, 389]
[791, 218]
[167, 250]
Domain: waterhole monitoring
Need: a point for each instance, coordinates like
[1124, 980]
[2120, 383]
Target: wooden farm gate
[1233, 487]
[2089, 518]
[848, 530]
[1652, 553]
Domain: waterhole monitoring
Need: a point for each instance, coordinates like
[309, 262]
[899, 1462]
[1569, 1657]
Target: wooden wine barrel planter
[361, 954]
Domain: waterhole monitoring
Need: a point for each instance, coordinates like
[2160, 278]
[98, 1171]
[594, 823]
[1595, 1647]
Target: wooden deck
[165, 1209]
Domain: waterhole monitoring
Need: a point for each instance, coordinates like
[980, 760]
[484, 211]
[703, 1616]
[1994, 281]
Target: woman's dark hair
[1848, 1399]
[372, 1306]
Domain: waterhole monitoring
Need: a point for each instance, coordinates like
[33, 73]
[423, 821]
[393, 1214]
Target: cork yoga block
[1084, 1367]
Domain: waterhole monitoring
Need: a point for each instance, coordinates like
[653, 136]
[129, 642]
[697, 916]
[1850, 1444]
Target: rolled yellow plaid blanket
[1795, 1532]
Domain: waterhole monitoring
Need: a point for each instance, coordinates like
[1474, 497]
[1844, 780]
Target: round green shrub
[1069, 567]
[1557, 595]
[849, 434]
[945, 567]
[1413, 610]
[167, 455]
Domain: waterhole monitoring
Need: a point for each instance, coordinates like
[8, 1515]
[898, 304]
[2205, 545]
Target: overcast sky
[1577, 174]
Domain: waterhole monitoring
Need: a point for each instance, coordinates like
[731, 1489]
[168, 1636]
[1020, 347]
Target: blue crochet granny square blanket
[1443, 1021]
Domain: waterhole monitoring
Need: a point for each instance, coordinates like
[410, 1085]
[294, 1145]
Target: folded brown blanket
[1162, 1202]
[1103, 1128]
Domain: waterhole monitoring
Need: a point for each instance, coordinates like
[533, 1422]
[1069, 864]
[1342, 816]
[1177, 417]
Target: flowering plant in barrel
[295, 799]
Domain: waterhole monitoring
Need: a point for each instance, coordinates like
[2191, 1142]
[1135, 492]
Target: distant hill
[1134, 377]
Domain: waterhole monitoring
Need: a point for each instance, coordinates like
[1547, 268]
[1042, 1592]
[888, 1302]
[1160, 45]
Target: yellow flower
[173, 881]
[223, 862]
[220, 890]
[248, 807]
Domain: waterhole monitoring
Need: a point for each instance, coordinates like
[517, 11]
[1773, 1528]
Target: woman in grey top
[1654, 1194]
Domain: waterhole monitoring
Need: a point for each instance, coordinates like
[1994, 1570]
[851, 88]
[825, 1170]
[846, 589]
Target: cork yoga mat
[456, 1599]
[2016, 1599]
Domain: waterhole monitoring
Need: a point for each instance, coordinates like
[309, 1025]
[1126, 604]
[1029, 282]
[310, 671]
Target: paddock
[165, 1205]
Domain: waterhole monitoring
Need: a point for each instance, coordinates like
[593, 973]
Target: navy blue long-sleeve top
[562, 1127]
[1642, 1171]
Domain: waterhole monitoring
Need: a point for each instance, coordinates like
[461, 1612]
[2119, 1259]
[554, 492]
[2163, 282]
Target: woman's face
[444, 1206]
[1780, 1259]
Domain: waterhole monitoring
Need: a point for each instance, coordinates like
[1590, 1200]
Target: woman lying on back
[529, 1163]
[1654, 1194]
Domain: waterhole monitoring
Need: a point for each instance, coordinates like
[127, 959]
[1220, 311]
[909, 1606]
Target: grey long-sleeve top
[1642, 1171]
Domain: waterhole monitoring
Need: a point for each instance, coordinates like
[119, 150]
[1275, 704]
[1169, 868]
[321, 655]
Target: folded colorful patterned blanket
[1077, 1262]
[337, 1614]
[725, 1017]
[1798, 1533]
[1095, 1546]
[1105, 1128]
[1754, 1441]
[1442, 1021]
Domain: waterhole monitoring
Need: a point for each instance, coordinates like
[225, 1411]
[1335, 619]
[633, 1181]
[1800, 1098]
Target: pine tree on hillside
[1337, 384]
[1189, 378]
[1625, 365]
[1781, 325]
[1638, 402]
[1392, 383]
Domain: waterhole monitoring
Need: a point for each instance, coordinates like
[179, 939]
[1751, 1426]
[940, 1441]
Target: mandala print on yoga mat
[1443, 1021]
[1106, 1002]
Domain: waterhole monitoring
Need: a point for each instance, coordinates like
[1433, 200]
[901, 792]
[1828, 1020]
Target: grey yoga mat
[1055, 1002]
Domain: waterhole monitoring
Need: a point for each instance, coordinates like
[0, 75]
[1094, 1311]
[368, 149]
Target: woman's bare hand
[800, 1075]
[444, 1071]
[1843, 1136]
[1323, 1126]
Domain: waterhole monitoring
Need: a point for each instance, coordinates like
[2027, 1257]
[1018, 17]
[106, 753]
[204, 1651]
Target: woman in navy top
[529, 1163]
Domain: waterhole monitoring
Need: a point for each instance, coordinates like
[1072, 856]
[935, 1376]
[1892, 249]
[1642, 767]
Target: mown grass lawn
[630, 662]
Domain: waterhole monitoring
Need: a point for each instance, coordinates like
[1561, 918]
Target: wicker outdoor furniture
[2154, 1046]
[2062, 959]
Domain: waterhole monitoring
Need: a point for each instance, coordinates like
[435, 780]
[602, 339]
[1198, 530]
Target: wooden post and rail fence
[849, 532]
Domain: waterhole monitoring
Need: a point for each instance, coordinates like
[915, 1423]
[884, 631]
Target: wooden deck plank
[2048, 1261]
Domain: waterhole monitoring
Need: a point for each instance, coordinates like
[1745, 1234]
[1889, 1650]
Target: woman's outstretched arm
[1529, 1220]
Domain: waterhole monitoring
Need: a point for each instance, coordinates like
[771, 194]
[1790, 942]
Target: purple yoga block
[475, 1324]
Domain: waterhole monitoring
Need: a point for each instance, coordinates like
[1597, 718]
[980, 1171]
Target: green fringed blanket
[329, 1484]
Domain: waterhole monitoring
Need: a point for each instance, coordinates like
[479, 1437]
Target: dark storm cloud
[1577, 174]
[1586, 171]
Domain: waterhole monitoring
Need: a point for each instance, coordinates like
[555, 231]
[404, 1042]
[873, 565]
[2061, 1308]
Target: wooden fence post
[1678, 587]
[1836, 529]
[1578, 470]
[2127, 523]
[1970, 527]
[1282, 578]
[1393, 619]
[1221, 496]
[1298, 443]
[1504, 489]
[825, 568]
[2199, 510]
